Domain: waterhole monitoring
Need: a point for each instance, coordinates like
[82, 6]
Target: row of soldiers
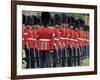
[54, 41]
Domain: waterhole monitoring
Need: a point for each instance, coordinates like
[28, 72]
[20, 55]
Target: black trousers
[88, 51]
[81, 53]
[63, 57]
[59, 57]
[37, 57]
[69, 58]
[27, 59]
[86, 55]
[44, 60]
[78, 57]
[55, 58]
[74, 56]
[32, 58]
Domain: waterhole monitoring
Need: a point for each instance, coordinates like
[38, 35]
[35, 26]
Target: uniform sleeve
[37, 34]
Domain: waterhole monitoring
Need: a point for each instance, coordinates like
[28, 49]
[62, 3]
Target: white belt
[80, 39]
[31, 39]
[73, 39]
[62, 38]
[25, 33]
[67, 38]
[44, 39]
[56, 39]
[86, 39]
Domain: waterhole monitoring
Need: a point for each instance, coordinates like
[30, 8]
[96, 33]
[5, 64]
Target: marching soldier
[31, 42]
[88, 41]
[60, 43]
[25, 32]
[35, 28]
[86, 55]
[81, 41]
[64, 34]
[76, 46]
[57, 53]
[51, 26]
[66, 21]
[45, 40]
[71, 43]
[23, 38]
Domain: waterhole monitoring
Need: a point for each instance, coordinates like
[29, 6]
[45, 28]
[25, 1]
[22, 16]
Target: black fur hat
[64, 18]
[52, 21]
[57, 19]
[82, 22]
[68, 19]
[86, 28]
[29, 20]
[45, 18]
[71, 21]
[35, 20]
[38, 20]
[77, 24]
[23, 19]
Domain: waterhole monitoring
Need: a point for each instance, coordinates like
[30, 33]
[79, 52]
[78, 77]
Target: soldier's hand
[51, 51]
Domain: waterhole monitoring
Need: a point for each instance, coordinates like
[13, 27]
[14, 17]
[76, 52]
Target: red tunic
[30, 39]
[81, 38]
[67, 37]
[76, 36]
[84, 43]
[63, 33]
[45, 38]
[24, 36]
[34, 31]
[87, 38]
[56, 38]
[71, 38]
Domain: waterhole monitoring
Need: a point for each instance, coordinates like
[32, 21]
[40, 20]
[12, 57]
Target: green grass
[85, 62]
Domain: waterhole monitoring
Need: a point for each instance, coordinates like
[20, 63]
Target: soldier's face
[64, 25]
[81, 28]
[56, 25]
[71, 27]
[38, 25]
[76, 29]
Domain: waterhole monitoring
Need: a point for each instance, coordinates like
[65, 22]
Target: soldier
[86, 55]
[25, 32]
[66, 22]
[57, 53]
[88, 37]
[45, 36]
[23, 27]
[31, 42]
[81, 41]
[52, 57]
[71, 43]
[35, 50]
[84, 41]
[24, 49]
[76, 47]
[64, 30]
